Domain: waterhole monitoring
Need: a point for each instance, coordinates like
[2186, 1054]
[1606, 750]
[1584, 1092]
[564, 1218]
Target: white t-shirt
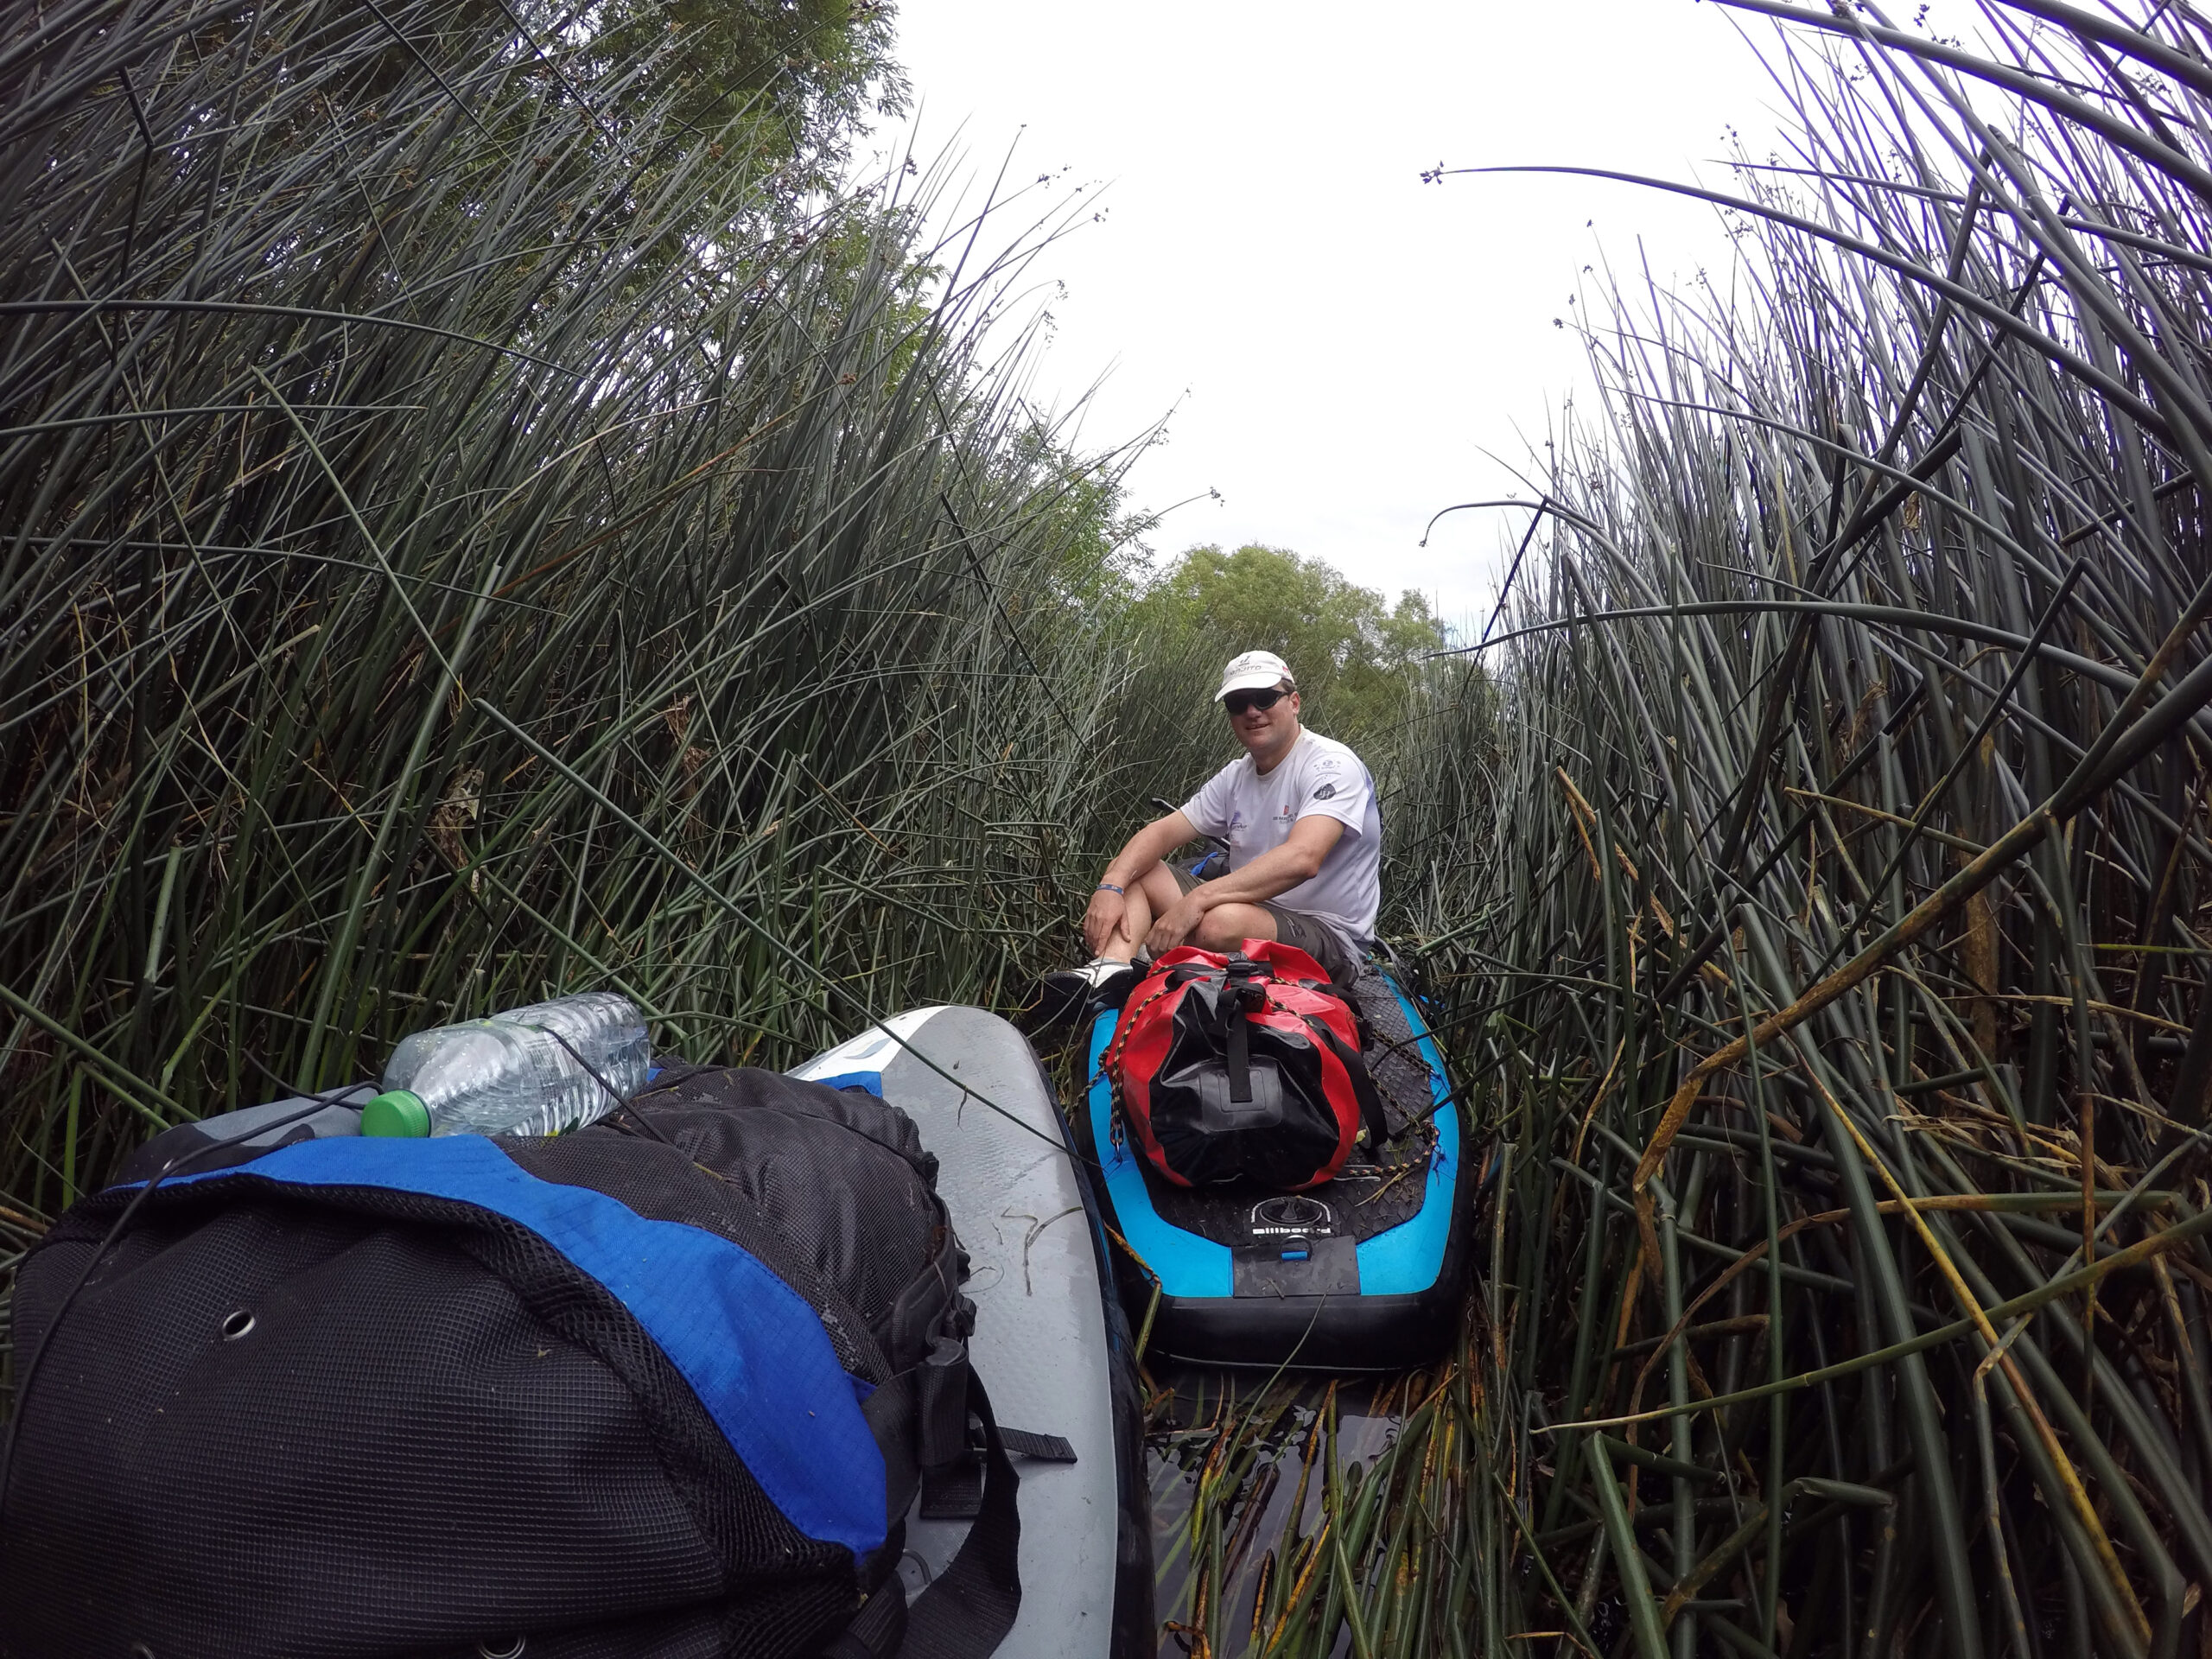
[1318, 778]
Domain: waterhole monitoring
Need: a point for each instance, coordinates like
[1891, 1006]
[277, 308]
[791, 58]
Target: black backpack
[661, 1387]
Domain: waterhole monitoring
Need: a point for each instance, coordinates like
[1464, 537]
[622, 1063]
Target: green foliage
[1080, 504]
[790, 82]
[1353, 655]
[1435, 773]
[429, 584]
[1829, 951]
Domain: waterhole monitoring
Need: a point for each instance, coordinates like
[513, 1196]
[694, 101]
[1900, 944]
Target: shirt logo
[1324, 791]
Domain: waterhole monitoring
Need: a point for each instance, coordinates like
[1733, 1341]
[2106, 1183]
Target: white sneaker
[1100, 983]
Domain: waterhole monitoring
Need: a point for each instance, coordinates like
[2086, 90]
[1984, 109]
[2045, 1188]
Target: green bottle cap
[396, 1112]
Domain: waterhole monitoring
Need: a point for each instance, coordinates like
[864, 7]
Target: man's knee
[1159, 885]
[1227, 926]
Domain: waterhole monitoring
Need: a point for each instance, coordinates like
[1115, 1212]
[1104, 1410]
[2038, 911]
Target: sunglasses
[1244, 703]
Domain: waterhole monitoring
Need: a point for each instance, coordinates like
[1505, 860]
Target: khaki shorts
[1295, 927]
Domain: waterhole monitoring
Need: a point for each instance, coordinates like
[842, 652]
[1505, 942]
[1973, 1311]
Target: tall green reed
[471, 530]
[1829, 943]
[1300, 1518]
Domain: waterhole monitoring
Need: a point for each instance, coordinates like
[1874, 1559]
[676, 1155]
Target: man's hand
[1175, 926]
[1103, 919]
[1106, 918]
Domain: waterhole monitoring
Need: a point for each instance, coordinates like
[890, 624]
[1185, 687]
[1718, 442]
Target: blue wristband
[1107, 886]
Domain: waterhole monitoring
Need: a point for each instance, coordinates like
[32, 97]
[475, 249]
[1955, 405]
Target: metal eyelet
[237, 1323]
[513, 1650]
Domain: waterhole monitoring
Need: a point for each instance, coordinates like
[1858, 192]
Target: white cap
[1256, 671]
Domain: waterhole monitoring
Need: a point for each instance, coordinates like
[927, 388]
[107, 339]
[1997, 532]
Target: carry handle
[1244, 992]
[1238, 1049]
[966, 1613]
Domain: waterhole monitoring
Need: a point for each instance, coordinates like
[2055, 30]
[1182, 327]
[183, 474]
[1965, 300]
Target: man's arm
[1276, 871]
[1102, 916]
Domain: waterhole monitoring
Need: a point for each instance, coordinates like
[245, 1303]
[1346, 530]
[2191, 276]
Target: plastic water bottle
[511, 1075]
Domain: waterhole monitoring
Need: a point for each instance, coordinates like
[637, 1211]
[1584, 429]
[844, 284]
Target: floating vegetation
[1294, 1517]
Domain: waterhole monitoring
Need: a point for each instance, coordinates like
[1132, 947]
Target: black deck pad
[1370, 1195]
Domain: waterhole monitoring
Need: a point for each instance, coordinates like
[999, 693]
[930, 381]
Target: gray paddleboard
[1040, 1341]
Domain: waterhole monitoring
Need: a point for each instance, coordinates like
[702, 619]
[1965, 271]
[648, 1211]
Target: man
[1305, 852]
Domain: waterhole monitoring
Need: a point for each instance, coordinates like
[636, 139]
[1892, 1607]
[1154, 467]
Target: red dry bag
[1243, 1067]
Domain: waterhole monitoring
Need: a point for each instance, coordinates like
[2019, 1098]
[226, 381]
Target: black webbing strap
[877, 1630]
[952, 1484]
[968, 1612]
[1238, 1049]
[941, 1402]
[1344, 994]
[1045, 1448]
[952, 1492]
[1362, 1086]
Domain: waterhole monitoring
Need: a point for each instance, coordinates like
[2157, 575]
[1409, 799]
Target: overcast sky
[1339, 342]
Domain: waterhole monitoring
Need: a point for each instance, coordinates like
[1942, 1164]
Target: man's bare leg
[1224, 928]
[1068, 990]
[1149, 894]
[1227, 926]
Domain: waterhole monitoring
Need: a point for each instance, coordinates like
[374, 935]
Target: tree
[792, 82]
[1353, 655]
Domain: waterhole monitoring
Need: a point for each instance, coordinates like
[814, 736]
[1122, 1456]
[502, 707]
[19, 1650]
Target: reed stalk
[1839, 986]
